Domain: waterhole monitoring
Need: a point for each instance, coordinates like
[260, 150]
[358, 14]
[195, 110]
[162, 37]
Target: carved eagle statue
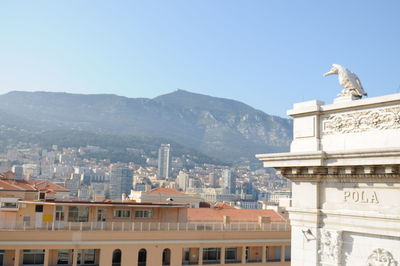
[348, 80]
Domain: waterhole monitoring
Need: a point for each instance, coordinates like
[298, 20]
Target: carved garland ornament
[381, 257]
[380, 119]
[330, 247]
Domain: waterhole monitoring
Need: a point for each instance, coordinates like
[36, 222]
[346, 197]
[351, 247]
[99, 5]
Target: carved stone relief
[330, 247]
[355, 122]
[381, 257]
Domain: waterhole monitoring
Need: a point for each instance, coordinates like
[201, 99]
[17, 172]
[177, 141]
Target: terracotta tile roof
[236, 215]
[46, 185]
[31, 185]
[18, 185]
[223, 205]
[162, 190]
[7, 175]
[7, 186]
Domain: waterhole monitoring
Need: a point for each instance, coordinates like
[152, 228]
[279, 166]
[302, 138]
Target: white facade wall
[345, 167]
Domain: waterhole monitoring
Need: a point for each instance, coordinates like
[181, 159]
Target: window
[39, 208]
[273, 253]
[59, 213]
[186, 256]
[122, 213]
[142, 257]
[101, 215]
[144, 214]
[211, 255]
[233, 255]
[78, 214]
[166, 257]
[9, 205]
[190, 256]
[1, 257]
[116, 258]
[63, 256]
[230, 253]
[287, 253]
[33, 256]
[86, 256]
[27, 219]
[42, 195]
[253, 254]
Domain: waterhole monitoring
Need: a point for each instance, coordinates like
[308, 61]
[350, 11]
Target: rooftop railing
[145, 226]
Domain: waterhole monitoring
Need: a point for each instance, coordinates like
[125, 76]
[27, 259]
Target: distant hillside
[221, 128]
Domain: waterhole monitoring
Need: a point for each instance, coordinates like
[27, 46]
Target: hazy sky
[268, 54]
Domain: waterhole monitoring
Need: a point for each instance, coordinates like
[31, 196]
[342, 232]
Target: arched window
[142, 257]
[166, 257]
[116, 258]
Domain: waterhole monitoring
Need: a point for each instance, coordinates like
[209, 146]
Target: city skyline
[251, 52]
[199, 133]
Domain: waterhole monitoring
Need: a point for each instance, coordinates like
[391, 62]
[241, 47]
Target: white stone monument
[344, 164]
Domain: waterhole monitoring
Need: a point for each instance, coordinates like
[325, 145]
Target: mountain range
[221, 128]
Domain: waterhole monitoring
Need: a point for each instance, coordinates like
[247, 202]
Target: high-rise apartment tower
[120, 181]
[228, 182]
[163, 161]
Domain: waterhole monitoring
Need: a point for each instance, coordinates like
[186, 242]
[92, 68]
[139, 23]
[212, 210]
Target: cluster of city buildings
[41, 225]
[94, 179]
[57, 208]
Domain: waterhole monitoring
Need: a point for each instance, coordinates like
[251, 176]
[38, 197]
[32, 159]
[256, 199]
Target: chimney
[264, 220]
[227, 220]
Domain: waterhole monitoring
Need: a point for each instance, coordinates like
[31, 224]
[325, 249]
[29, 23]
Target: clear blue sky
[268, 54]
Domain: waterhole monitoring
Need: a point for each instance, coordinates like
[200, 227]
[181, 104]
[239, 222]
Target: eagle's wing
[360, 87]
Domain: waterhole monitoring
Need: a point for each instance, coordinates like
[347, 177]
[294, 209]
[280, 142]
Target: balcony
[9, 204]
[144, 226]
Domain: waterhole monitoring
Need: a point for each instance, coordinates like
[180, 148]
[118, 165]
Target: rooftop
[30, 185]
[236, 215]
[163, 190]
[101, 203]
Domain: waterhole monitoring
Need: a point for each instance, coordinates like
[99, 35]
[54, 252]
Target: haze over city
[268, 54]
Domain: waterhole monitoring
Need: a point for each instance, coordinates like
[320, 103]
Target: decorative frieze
[368, 170]
[390, 169]
[356, 122]
[330, 247]
[380, 257]
[338, 172]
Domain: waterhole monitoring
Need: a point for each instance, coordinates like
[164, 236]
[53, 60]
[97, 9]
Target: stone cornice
[363, 103]
[376, 173]
[289, 159]
[313, 107]
[368, 158]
